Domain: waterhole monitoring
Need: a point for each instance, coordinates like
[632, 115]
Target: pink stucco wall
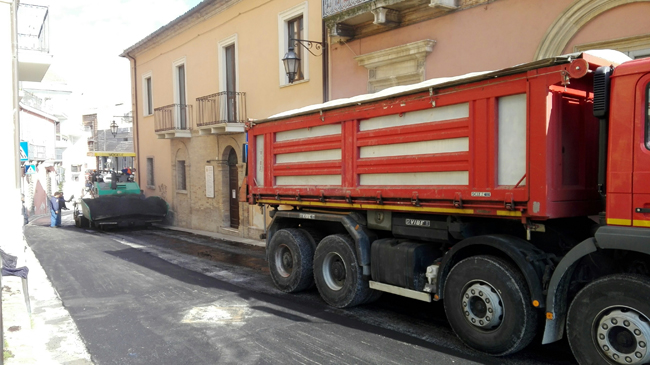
[487, 37]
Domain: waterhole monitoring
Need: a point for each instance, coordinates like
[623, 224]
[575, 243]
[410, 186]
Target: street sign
[24, 151]
[30, 169]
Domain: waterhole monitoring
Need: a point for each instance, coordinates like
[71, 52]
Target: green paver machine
[118, 203]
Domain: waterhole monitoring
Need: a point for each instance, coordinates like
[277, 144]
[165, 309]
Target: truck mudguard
[360, 234]
[529, 259]
[607, 237]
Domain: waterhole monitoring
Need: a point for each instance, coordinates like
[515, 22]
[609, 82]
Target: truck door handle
[642, 210]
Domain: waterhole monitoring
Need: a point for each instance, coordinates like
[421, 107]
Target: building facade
[195, 83]
[378, 44]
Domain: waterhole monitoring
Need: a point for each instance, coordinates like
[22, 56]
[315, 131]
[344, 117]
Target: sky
[87, 37]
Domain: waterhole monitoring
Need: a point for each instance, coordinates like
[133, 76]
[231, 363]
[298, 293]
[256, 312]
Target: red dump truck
[519, 197]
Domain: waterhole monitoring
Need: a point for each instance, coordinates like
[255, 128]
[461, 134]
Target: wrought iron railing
[33, 33]
[173, 117]
[331, 7]
[223, 107]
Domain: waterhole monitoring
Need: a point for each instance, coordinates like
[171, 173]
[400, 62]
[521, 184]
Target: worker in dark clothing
[55, 211]
[62, 201]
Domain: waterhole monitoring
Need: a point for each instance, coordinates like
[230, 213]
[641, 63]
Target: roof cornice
[204, 10]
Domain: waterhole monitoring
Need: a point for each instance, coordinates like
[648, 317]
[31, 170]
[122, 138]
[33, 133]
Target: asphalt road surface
[157, 296]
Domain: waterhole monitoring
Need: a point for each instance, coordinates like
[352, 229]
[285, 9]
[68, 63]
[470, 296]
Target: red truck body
[555, 178]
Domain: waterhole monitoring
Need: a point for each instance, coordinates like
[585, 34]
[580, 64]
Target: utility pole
[13, 242]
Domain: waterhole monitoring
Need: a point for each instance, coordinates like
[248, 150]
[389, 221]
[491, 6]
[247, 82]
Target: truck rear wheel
[609, 321]
[338, 277]
[487, 304]
[290, 260]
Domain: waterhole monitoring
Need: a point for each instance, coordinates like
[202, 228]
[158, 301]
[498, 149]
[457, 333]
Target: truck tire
[338, 277]
[314, 236]
[486, 300]
[609, 321]
[290, 260]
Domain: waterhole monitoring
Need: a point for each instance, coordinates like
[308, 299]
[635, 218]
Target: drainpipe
[136, 122]
[325, 64]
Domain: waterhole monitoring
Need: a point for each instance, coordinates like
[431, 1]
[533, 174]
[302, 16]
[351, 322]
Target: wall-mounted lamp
[292, 61]
[114, 129]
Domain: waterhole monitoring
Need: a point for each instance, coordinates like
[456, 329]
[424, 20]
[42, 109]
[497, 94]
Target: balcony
[346, 19]
[34, 58]
[173, 121]
[221, 113]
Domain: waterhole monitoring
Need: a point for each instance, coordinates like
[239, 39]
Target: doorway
[233, 178]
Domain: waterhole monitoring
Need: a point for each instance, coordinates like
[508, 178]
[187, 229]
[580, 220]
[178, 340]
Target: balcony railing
[33, 28]
[173, 117]
[331, 7]
[223, 107]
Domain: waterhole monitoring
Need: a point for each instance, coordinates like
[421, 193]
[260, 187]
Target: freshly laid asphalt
[134, 308]
[157, 297]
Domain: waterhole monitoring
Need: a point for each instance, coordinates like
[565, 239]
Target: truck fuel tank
[402, 262]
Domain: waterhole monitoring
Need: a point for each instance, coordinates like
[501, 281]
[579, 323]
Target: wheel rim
[334, 271]
[482, 305]
[622, 334]
[284, 260]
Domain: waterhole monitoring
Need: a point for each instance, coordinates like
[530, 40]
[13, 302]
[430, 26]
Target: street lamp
[291, 64]
[292, 61]
[114, 129]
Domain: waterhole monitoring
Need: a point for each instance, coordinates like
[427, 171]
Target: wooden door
[231, 83]
[234, 181]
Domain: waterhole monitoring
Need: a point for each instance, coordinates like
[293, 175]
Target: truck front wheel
[487, 304]
[338, 277]
[290, 260]
[609, 321]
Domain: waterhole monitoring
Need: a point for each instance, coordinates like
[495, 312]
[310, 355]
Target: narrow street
[156, 296]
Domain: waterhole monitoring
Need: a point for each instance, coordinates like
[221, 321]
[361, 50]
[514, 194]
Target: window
[147, 90]
[228, 75]
[180, 96]
[150, 180]
[294, 31]
[180, 175]
[75, 168]
[293, 24]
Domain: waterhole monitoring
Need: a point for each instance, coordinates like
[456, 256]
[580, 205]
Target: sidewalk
[218, 236]
[49, 335]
